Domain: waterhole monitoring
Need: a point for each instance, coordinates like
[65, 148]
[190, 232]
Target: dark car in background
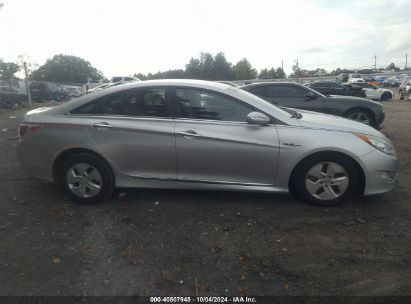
[10, 97]
[294, 95]
[44, 90]
[335, 88]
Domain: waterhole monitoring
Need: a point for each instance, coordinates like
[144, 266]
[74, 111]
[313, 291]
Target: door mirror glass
[257, 118]
[310, 96]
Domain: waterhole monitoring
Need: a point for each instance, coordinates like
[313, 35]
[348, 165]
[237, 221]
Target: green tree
[222, 68]
[280, 73]
[66, 68]
[268, 74]
[392, 67]
[8, 69]
[194, 69]
[243, 70]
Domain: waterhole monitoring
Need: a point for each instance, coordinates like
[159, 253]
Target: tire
[362, 116]
[386, 96]
[313, 187]
[401, 97]
[86, 178]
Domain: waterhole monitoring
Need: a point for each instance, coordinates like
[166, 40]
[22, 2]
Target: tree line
[209, 67]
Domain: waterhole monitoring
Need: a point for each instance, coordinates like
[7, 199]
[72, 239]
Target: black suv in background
[335, 88]
[294, 95]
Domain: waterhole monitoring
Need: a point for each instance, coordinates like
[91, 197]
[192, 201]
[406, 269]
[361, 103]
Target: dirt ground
[164, 242]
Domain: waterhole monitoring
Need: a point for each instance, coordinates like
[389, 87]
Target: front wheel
[361, 116]
[86, 178]
[325, 179]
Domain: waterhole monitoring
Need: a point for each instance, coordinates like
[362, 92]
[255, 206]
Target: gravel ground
[164, 242]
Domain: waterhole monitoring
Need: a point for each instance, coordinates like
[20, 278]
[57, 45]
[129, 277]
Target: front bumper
[380, 172]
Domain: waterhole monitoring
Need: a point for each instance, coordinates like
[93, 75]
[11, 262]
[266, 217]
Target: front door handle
[101, 125]
[189, 133]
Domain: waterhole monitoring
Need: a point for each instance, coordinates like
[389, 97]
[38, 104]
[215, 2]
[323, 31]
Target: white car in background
[352, 78]
[124, 79]
[373, 92]
[73, 91]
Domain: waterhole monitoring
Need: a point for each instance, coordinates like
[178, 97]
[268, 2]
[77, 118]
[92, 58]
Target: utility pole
[26, 73]
[375, 62]
[282, 64]
[406, 61]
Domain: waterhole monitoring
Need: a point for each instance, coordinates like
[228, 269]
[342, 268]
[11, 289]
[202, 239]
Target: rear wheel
[86, 178]
[386, 96]
[325, 179]
[361, 116]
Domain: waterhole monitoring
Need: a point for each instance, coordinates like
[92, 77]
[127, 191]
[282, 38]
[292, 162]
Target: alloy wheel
[84, 180]
[327, 181]
[360, 117]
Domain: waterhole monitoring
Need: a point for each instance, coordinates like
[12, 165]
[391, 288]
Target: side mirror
[310, 96]
[257, 118]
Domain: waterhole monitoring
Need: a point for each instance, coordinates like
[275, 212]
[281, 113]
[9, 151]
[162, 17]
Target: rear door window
[147, 102]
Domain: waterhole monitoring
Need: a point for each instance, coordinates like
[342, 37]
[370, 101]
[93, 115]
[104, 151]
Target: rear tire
[86, 178]
[325, 179]
[386, 96]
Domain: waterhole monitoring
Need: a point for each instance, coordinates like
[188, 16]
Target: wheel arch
[69, 152]
[362, 177]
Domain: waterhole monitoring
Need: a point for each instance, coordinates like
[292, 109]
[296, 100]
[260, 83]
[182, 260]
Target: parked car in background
[10, 97]
[201, 135]
[335, 88]
[355, 78]
[391, 82]
[377, 80]
[371, 91]
[124, 79]
[44, 90]
[73, 92]
[405, 89]
[294, 95]
[343, 77]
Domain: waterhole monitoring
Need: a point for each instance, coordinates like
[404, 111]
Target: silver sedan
[188, 134]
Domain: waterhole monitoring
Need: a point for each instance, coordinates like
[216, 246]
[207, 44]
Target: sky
[124, 37]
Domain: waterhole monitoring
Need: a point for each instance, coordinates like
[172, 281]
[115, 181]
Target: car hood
[314, 120]
[352, 98]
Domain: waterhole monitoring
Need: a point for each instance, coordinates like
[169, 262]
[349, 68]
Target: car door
[215, 144]
[295, 96]
[135, 130]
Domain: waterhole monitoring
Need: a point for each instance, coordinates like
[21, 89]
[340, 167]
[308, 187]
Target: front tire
[325, 179]
[361, 116]
[86, 178]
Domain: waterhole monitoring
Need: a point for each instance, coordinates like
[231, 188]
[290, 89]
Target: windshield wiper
[294, 114]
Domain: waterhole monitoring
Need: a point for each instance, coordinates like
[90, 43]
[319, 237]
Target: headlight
[378, 143]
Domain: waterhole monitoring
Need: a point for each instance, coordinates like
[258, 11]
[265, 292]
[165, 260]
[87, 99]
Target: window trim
[168, 101]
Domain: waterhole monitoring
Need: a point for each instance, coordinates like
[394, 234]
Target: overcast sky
[123, 37]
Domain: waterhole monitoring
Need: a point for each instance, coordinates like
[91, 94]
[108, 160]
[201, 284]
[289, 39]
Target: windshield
[356, 76]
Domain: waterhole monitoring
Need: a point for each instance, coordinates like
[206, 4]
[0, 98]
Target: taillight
[24, 129]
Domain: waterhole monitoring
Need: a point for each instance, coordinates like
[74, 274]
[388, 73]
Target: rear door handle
[101, 125]
[189, 133]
